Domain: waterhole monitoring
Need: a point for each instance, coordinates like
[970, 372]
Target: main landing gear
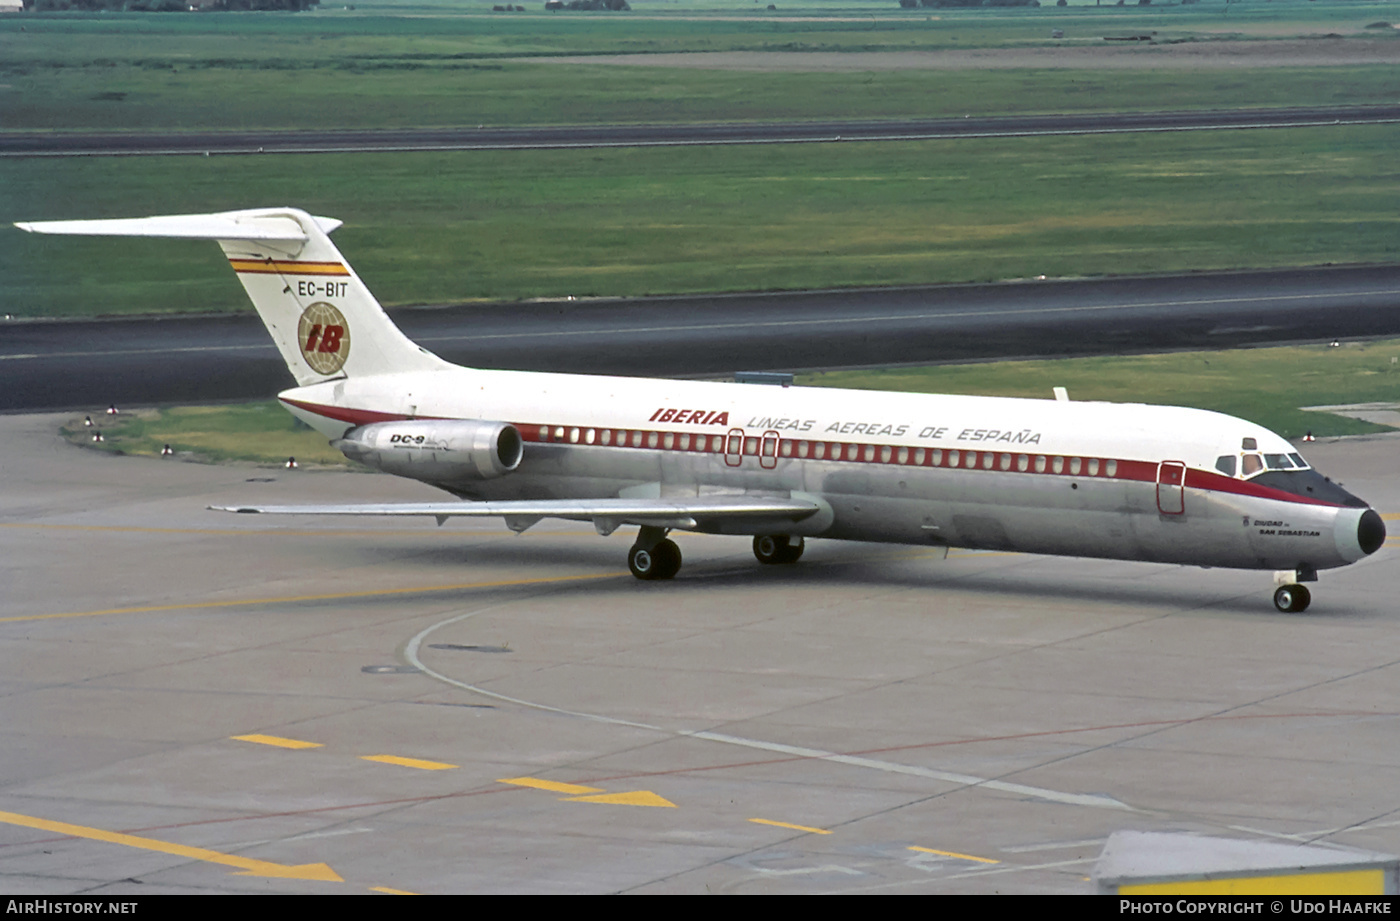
[662, 560]
[654, 557]
[778, 548]
[1290, 597]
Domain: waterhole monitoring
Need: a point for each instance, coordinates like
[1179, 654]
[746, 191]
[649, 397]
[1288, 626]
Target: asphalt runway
[48, 365]
[199, 703]
[552, 137]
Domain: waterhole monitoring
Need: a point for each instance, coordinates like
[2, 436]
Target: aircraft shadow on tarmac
[892, 569]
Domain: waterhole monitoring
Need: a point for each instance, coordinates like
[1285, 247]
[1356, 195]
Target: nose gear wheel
[1292, 599]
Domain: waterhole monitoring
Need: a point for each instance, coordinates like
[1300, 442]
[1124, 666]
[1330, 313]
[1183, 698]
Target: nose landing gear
[1290, 597]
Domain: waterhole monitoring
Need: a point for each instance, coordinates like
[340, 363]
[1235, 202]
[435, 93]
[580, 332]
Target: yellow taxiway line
[806, 828]
[581, 794]
[954, 854]
[552, 786]
[630, 798]
[277, 741]
[418, 763]
[298, 599]
[246, 866]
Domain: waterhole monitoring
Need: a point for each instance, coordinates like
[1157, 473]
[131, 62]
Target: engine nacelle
[436, 450]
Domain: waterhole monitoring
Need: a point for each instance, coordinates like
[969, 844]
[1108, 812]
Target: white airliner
[1116, 481]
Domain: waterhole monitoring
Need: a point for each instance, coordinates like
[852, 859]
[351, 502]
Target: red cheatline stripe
[346, 414]
[1215, 482]
[717, 443]
[286, 267]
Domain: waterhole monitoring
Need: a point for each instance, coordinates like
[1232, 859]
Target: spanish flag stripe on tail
[287, 267]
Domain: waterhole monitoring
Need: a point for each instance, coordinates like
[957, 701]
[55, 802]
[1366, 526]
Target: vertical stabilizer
[324, 320]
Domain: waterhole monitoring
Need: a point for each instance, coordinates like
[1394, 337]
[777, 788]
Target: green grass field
[262, 433]
[388, 64]
[440, 227]
[1262, 385]
[428, 228]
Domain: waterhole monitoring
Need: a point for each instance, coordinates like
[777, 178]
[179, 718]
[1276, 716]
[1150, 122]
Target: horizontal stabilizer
[229, 225]
[325, 322]
[686, 514]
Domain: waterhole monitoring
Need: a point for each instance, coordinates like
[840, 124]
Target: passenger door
[1171, 488]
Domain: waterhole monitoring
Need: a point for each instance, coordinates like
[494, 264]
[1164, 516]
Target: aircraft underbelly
[979, 509]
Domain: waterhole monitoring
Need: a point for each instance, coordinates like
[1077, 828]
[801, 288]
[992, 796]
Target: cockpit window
[1250, 464]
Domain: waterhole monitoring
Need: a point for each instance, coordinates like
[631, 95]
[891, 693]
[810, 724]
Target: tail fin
[324, 320]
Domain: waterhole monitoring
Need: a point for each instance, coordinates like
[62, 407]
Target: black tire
[668, 557]
[660, 562]
[773, 549]
[1292, 599]
[793, 551]
[767, 548]
[642, 563]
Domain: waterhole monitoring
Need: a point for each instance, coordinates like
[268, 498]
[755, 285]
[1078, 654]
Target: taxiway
[64, 364]
[195, 702]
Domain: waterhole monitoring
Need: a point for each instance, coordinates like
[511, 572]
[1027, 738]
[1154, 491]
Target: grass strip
[506, 225]
[259, 433]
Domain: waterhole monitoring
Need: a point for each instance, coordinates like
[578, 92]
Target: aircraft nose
[1370, 532]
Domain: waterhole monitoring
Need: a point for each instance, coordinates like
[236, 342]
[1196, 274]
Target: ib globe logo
[324, 338]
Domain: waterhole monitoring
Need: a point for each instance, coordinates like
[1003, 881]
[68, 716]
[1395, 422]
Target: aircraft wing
[692, 513]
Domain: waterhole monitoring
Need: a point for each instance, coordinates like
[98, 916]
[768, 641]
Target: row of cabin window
[938, 457]
[823, 450]
[623, 438]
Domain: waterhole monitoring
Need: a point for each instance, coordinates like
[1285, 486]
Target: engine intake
[436, 450]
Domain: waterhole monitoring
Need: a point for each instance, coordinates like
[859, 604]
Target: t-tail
[324, 320]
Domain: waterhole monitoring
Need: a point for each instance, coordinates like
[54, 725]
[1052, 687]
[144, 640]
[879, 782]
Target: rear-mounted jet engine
[436, 451]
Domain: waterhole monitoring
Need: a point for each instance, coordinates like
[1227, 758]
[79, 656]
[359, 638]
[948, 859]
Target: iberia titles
[691, 416]
[1023, 436]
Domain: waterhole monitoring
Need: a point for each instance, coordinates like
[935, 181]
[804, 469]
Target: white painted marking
[849, 321]
[1053, 846]
[807, 871]
[990, 871]
[891, 767]
[968, 780]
